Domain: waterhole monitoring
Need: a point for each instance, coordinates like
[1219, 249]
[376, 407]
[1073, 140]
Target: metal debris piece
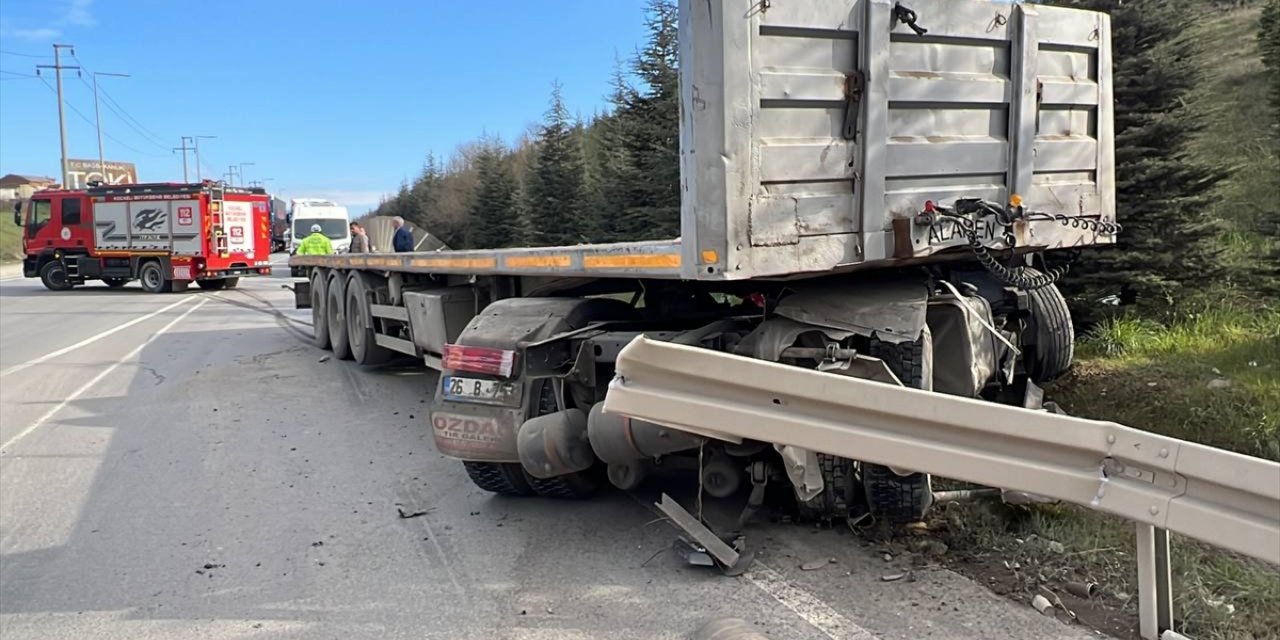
[732, 561]
[1041, 604]
[892, 577]
[1082, 589]
[813, 565]
[410, 514]
[323, 359]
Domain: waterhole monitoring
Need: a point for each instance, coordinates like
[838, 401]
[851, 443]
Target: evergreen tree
[420, 203]
[492, 220]
[650, 130]
[555, 190]
[1167, 248]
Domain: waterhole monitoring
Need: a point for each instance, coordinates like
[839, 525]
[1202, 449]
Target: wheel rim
[151, 277]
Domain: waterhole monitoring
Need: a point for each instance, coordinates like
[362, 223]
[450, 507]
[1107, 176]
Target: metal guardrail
[1163, 484]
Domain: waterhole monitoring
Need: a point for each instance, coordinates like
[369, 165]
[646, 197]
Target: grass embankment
[1212, 377]
[10, 234]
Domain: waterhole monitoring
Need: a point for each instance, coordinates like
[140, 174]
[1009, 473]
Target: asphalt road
[185, 466]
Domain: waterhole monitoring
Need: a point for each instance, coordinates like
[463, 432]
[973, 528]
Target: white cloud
[43, 33]
[77, 13]
[71, 13]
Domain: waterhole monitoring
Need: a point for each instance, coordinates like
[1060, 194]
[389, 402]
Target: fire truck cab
[165, 235]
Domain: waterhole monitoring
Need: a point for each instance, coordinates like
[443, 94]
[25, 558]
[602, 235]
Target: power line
[23, 55]
[103, 91]
[149, 136]
[19, 75]
[90, 123]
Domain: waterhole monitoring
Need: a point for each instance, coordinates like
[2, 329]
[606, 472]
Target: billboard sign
[81, 172]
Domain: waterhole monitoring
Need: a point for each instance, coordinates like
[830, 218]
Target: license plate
[948, 233]
[476, 389]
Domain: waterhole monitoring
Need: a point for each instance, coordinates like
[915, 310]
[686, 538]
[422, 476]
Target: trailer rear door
[808, 127]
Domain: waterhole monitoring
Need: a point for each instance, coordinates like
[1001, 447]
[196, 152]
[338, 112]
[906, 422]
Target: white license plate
[475, 389]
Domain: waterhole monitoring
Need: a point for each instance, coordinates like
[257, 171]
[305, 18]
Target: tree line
[615, 176]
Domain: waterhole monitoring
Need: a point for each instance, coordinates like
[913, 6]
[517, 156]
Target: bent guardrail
[1164, 484]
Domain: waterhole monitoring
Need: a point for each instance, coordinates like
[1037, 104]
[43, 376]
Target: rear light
[494, 362]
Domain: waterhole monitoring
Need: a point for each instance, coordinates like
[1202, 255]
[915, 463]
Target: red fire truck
[166, 235]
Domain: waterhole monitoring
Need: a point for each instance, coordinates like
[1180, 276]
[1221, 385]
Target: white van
[333, 220]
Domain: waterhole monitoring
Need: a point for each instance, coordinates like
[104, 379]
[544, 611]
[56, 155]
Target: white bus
[333, 220]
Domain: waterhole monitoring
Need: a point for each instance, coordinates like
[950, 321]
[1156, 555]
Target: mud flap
[301, 294]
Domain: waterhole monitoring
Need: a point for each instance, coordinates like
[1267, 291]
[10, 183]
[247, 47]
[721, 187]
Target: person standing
[316, 244]
[402, 241]
[359, 239]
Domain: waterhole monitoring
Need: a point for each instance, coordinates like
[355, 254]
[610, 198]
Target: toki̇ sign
[81, 172]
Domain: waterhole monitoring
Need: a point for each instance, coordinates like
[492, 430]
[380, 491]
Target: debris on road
[405, 515]
[813, 565]
[1082, 589]
[727, 629]
[731, 560]
[323, 359]
[892, 577]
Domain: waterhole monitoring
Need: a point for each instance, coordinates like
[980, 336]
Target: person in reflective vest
[316, 244]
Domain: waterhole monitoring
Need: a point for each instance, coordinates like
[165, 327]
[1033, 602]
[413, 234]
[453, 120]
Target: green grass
[10, 239]
[1155, 377]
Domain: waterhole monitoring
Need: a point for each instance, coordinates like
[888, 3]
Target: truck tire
[502, 478]
[115, 283]
[319, 312]
[151, 277]
[336, 308]
[231, 283]
[899, 499]
[360, 331]
[1055, 336]
[54, 276]
[211, 285]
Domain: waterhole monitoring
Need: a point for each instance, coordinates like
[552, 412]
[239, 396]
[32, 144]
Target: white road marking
[804, 604]
[98, 378]
[90, 340]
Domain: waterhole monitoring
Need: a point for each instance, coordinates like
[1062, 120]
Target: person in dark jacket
[402, 240]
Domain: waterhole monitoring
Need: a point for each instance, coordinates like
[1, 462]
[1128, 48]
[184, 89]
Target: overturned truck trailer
[877, 190]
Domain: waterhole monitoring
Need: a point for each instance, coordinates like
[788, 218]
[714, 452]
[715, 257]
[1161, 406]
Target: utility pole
[184, 148]
[231, 175]
[97, 116]
[242, 166]
[197, 143]
[62, 120]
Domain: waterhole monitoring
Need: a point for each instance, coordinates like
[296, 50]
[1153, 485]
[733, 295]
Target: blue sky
[329, 99]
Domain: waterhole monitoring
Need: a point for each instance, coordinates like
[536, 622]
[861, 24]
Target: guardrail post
[1155, 590]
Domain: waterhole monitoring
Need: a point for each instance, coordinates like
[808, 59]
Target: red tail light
[494, 362]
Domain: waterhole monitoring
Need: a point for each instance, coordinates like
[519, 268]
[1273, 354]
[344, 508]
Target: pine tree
[421, 201]
[555, 190]
[1167, 247]
[650, 122]
[493, 220]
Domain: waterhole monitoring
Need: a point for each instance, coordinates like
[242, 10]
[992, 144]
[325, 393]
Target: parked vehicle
[858, 198]
[166, 236]
[333, 219]
[281, 229]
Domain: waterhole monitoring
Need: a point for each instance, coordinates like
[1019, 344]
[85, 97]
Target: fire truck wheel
[54, 276]
[336, 308]
[115, 283]
[360, 332]
[231, 283]
[151, 275]
[211, 285]
[319, 314]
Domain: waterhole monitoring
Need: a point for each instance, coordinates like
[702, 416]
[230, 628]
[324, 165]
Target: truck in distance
[164, 235]
[333, 219]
